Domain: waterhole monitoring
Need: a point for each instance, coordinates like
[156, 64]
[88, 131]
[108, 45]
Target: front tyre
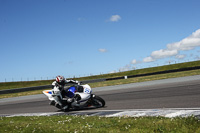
[98, 101]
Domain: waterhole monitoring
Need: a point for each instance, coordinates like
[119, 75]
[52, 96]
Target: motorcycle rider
[61, 91]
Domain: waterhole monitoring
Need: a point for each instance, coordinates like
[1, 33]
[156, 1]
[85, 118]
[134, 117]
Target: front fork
[90, 101]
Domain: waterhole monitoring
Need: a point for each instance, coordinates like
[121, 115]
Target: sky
[41, 39]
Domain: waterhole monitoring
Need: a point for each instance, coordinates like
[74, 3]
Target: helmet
[60, 79]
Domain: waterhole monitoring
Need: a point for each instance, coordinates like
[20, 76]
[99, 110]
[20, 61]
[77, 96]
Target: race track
[176, 93]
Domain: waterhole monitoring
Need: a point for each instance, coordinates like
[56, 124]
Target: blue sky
[41, 39]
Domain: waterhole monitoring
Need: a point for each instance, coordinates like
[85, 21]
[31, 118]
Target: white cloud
[102, 50]
[125, 68]
[173, 49]
[180, 56]
[187, 43]
[134, 61]
[163, 53]
[148, 59]
[114, 18]
[113, 71]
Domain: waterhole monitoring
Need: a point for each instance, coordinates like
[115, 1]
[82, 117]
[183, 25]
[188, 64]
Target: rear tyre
[98, 102]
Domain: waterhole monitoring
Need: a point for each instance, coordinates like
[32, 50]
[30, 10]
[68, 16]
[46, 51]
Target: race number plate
[87, 90]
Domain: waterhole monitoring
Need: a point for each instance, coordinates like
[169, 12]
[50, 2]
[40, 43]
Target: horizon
[41, 39]
[47, 78]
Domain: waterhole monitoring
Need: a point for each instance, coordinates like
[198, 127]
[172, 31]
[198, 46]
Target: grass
[145, 70]
[91, 124]
[116, 82]
[13, 85]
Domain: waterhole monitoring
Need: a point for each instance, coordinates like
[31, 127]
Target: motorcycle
[84, 99]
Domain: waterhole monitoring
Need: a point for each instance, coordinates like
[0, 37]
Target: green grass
[13, 85]
[117, 82]
[145, 70]
[146, 78]
[93, 124]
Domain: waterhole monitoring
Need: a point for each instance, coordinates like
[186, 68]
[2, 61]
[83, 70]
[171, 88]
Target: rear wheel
[98, 102]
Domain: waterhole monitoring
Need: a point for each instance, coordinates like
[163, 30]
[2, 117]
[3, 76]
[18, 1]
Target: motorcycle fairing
[49, 93]
[71, 92]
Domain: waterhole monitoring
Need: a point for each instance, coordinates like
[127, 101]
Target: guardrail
[98, 80]
[24, 89]
[43, 87]
[155, 73]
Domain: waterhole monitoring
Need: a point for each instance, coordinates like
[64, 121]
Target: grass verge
[95, 124]
[13, 85]
[117, 82]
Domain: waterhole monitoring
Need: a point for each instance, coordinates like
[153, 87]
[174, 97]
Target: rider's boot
[52, 103]
[58, 105]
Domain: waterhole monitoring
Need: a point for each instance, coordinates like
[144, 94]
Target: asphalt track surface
[169, 93]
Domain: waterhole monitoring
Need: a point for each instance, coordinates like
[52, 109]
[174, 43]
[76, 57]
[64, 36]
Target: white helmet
[60, 79]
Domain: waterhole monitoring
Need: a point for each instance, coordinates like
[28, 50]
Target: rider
[60, 83]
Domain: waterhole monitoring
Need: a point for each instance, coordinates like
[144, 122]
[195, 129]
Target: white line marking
[170, 113]
[36, 114]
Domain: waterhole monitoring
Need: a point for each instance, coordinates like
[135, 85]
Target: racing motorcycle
[85, 98]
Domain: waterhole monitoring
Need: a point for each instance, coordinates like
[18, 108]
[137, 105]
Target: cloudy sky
[43, 38]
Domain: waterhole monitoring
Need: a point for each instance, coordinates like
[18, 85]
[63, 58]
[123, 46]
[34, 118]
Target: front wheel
[98, 101]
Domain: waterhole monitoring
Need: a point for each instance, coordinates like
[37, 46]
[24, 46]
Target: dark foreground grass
[93, 124]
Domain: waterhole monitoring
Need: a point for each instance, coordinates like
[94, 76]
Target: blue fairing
[71, 92]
